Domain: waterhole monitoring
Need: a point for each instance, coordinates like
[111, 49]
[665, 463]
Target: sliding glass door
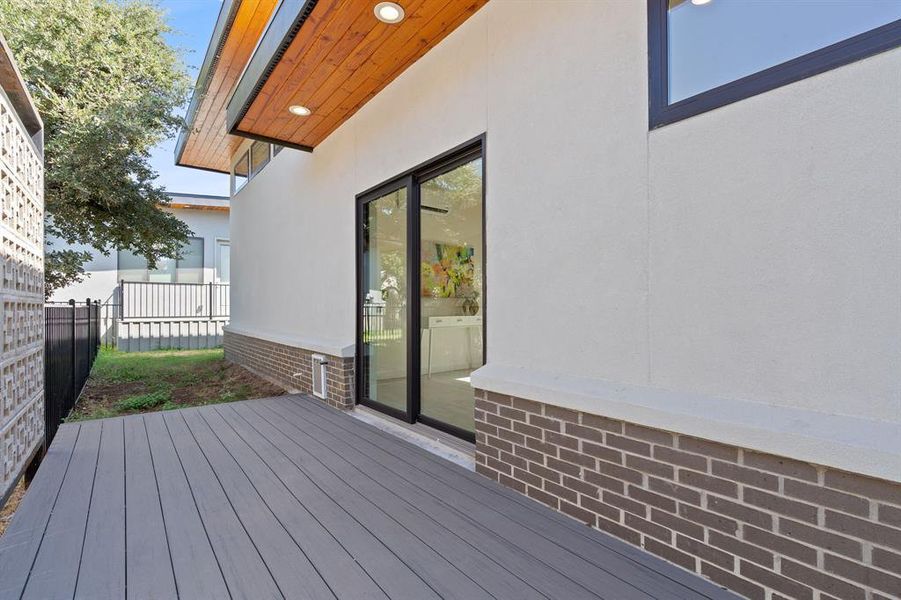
[421, 292]
[385, 297]
[451, 293]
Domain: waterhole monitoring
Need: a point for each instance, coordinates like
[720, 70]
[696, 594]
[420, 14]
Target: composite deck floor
[287, 498]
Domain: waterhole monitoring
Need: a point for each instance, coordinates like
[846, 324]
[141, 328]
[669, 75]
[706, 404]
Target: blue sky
[194, 21]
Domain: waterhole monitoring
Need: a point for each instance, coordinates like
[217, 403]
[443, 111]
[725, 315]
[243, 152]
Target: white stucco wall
[295, 220]
[736, 275]
[102, 270]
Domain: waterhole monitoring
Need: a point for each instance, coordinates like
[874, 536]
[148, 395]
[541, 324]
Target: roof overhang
[331, 56]
[14, 87]
[198, 202]
[204, 142]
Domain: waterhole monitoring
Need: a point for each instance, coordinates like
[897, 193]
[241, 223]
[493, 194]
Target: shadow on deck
[285, 497]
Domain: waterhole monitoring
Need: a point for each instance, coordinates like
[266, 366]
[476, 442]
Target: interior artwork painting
[447, 270]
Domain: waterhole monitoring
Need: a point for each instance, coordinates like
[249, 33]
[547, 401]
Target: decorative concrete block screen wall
[292, 367]
[22, 280]
[764, 526]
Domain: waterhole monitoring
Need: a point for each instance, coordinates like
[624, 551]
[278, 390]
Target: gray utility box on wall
[22, 279]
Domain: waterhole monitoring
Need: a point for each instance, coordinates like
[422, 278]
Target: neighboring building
[647, 255]
[182, 303]
[206, 257]
[22, 281]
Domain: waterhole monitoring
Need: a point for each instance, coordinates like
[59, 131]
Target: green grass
[144, 401]
[127, 383]
[115, 366]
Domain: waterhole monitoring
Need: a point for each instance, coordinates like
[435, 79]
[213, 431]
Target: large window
[251, 163]
[241, 172]
[187, 269]
[708, 53]
[259, 156]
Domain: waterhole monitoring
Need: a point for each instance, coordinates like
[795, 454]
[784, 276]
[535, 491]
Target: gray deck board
[288, 498]
[245, 572]
[399, 533]
[460, 511]
[197, 572]
[55, 569]
[575, 556]
[385, 567]
[149, 571]
[490, 561]
[20, 545]
[343, 574]
[287, 562]
[102, 570]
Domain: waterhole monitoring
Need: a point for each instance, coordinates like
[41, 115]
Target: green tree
[108, 87]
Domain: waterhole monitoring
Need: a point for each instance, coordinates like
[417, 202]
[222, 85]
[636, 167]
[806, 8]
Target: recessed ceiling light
[389, 12]
[700, 2]
[300, 111]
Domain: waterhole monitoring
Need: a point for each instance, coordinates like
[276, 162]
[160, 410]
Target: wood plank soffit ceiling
[330, 56]
[204, 142]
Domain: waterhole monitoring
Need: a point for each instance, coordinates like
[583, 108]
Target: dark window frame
[411, 180]
[661, 112]
[245, 157]
[254, 171]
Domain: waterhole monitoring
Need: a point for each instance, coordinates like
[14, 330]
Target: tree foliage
[108, 87]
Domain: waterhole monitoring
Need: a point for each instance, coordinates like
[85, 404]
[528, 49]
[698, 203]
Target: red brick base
[764, 526]
[280, 363]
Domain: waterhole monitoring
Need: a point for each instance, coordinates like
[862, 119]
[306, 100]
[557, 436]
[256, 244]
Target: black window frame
[661, 112]
[411, 180]
[255, 170]
[245, 158]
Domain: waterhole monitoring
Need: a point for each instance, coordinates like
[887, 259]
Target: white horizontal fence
[148, 316]
[182, 334]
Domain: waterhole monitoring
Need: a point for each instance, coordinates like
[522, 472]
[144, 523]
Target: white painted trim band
[324, 346]
[853, 444]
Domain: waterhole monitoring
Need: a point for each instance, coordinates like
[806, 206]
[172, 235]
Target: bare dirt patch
[6, 514]
[122, 384]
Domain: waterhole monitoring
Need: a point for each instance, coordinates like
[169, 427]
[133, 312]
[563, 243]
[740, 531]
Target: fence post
[90, 345]
[122, 299]
[97, 324]
[73, 332]
[49, 369]
[211, 300]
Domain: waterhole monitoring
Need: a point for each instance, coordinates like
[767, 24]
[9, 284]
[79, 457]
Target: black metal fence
[164, 300]
[381, 322]
[71, 342]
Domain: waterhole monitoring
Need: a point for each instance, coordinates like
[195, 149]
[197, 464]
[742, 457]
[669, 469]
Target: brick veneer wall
[763, 526]
[280, 362]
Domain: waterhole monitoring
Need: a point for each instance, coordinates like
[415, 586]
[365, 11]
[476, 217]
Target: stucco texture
[750, 254]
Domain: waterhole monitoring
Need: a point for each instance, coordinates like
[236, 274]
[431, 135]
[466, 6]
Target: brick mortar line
[494, 415]
[737, 559]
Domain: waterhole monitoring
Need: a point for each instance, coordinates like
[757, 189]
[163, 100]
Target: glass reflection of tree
[459, 193]
[391, 231]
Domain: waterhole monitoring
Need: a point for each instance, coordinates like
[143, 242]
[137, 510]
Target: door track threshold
[437, 442]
